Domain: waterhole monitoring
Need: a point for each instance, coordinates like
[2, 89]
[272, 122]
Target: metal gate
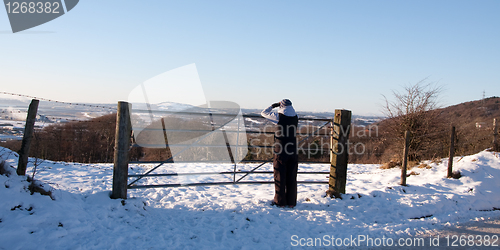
[335, 129]
[240, 180]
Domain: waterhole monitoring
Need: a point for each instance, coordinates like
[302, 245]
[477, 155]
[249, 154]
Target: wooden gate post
[122, 142]
[339, 152]
[405, 158]
[452, 153]
[28, 135]
[495, 135]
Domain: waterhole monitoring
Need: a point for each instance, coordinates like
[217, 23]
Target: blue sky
[322, 55]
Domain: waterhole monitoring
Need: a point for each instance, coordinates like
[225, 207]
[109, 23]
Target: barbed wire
[50, 100]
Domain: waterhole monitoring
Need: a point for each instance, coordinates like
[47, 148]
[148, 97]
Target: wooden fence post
[339, 152]
[405, 158]
[28, 135]
[452, 153]
[122, 143]
[495, 135]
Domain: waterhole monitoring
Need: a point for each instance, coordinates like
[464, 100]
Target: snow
[82, 216]
[253, 120]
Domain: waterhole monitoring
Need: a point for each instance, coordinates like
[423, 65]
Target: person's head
[285, 102]
[286, 108]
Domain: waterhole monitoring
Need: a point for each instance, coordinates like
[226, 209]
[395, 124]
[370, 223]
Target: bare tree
[414, 110]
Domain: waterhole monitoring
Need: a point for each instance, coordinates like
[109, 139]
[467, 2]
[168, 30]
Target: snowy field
[82, 216]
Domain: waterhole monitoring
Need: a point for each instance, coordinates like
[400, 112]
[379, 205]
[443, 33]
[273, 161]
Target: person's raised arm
[271, 115]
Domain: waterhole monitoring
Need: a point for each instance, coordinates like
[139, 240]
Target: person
[285, 161]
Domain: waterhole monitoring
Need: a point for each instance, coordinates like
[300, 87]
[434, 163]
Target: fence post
[122, 142]
[405, 158]
[495, 135]
[28, 135]
[452, 153]
[339, 152]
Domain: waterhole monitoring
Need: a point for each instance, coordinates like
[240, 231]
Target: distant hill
[473, 122]
[470, 113]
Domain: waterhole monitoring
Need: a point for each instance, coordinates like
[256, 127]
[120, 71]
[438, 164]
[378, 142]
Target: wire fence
[91, 140]
[64, 131]
[60, 102]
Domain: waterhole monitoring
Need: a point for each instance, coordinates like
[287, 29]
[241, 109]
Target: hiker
[285, 152]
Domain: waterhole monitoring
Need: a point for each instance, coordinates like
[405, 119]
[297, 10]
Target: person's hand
[275, 105]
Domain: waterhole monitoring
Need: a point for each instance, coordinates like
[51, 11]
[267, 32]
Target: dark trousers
[285, 179]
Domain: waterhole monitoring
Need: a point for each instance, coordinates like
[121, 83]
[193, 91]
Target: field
[82, 216]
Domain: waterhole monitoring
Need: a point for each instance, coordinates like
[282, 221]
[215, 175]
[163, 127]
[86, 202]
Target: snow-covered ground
[82, 216]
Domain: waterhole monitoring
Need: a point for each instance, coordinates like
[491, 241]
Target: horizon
[26, 99]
